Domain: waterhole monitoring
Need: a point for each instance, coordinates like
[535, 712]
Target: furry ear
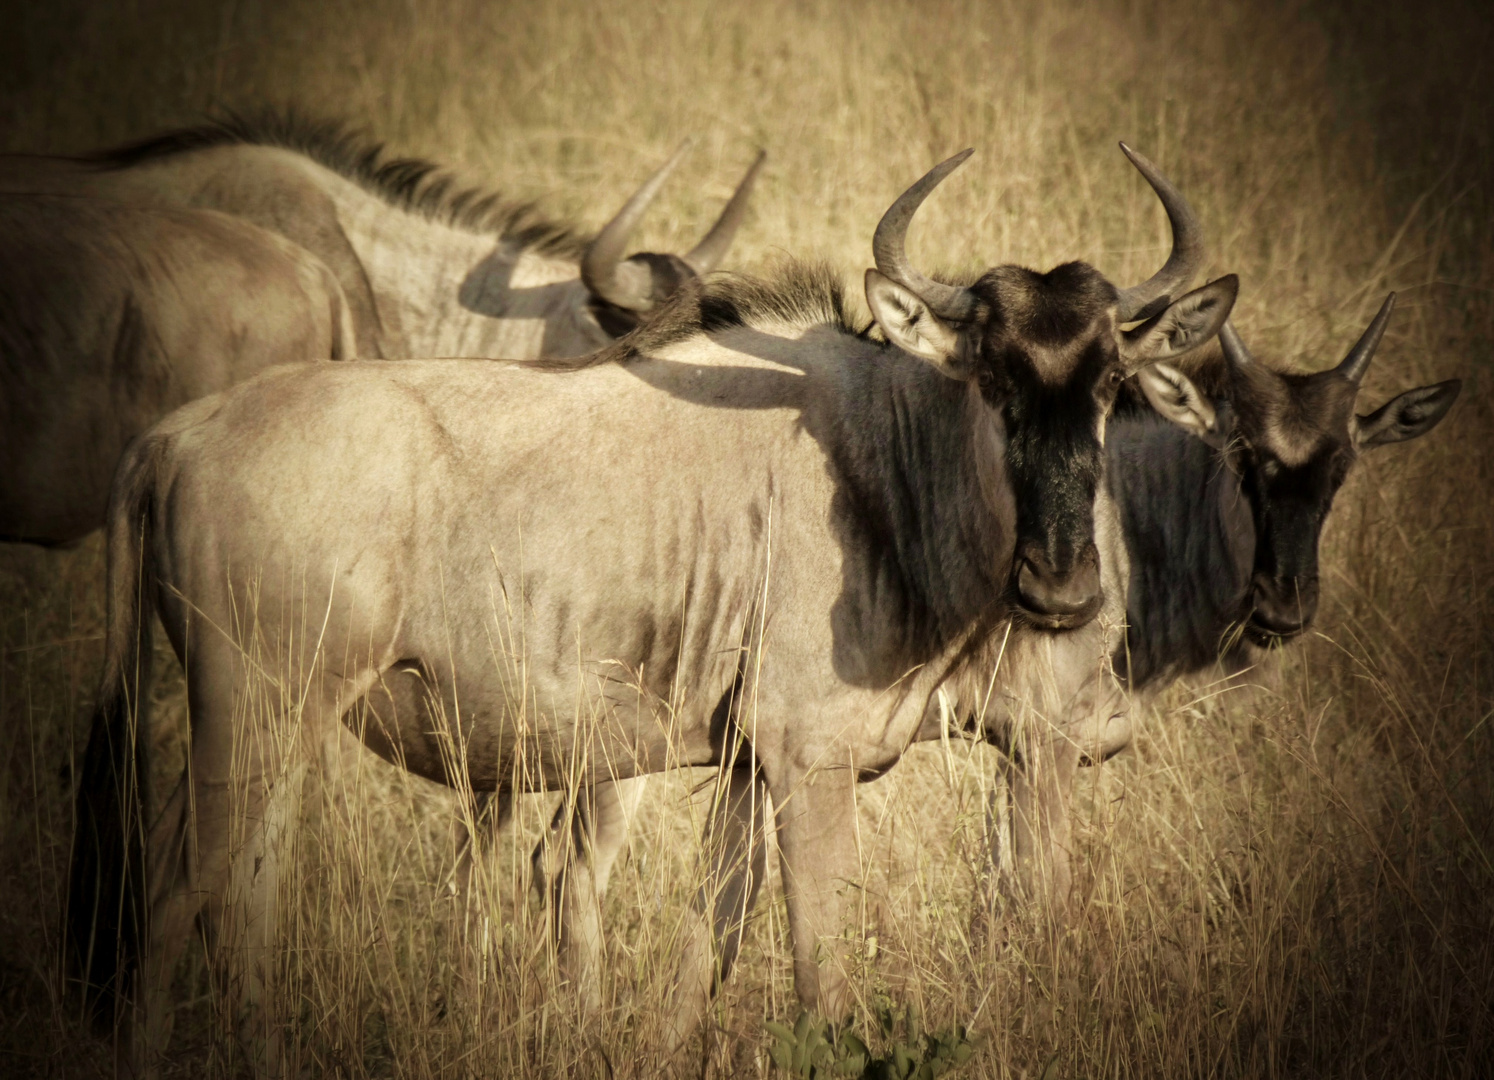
[1407, 415]
[1175, 397]
[1183, 325]
[912, 326]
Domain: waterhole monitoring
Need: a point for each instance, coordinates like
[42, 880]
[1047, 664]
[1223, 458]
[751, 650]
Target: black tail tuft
[105, 924]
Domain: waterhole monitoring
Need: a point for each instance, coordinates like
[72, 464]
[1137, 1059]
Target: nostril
[1061, 595]
[1029, 583]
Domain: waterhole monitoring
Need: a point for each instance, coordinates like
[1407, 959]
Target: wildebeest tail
[104, 935]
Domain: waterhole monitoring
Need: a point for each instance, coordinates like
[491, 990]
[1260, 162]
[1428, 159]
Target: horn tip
[1145, 165]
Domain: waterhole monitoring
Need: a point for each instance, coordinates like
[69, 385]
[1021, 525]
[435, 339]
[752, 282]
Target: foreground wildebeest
[111, 316]
[1053, 707]
[428, 268]
[759, 526]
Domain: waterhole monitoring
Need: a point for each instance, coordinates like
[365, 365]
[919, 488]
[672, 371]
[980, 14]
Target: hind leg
[575, 861]
[218, 850]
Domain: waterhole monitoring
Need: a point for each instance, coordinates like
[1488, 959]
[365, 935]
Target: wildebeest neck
[1191, 540]
[925, 515]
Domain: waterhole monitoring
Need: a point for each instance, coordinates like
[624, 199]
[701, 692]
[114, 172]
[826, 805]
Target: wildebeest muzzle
[1281, 607]
[1059, 594]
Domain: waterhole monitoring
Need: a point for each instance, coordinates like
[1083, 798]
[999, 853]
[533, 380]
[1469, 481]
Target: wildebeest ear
[1185, 324]
[912, 326]
[1413, 413]
[1175, 397]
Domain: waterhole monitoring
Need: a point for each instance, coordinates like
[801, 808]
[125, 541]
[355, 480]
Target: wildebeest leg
[488, 813]
[1040, 787]
[217, 849]
[816, 811]
[736, 845]
[575, 860]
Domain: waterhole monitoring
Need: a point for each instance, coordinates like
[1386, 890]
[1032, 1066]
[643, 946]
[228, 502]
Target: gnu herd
[401, 463]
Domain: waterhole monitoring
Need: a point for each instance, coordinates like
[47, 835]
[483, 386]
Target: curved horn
[600, 264]
[947, 301]
[707, 255]
[1357, 362]
[1234, 349]
[1187, 256]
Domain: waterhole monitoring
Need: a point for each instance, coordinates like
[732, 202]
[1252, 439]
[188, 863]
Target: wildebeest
[111, 316]
[429, 268]
[750, 522]
[1224, 542]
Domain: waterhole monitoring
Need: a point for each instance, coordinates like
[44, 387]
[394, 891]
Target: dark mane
[798, 294]
[411, 184]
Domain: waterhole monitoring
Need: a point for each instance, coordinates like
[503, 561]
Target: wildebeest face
[1047, 355]
[1047, 363]
[1296, 438]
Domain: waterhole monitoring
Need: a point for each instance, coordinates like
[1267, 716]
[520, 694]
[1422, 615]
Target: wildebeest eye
[1116, 376]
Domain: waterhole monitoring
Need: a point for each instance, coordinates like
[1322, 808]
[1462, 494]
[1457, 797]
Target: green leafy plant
[814, 1049]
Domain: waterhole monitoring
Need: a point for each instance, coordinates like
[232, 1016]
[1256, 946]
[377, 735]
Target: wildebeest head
[1046, 352]
[623, 290]
[1296, 437]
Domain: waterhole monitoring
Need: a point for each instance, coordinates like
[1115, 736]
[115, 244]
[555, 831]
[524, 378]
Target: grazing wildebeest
[1224, 542]
[429, 268]
[111, 316]
[759, 525]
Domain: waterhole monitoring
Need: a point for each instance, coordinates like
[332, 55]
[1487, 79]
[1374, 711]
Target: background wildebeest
[1224, 539]
[845, 527]
[111, 316]
[430, 268]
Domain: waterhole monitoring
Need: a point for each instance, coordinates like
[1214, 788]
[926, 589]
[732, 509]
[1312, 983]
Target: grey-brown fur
[112, 316]
[409, 183]
[429, 267]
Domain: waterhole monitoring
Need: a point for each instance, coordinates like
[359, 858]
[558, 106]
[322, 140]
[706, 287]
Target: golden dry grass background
[1294, 880]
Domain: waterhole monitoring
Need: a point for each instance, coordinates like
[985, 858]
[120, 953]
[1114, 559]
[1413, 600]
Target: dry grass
[1295, 880]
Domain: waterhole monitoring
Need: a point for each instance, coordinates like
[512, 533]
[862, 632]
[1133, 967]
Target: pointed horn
[1357, 362]
[1234, 349]
[600, 266]
[947, 301]
[1187, 258]
[707, 255]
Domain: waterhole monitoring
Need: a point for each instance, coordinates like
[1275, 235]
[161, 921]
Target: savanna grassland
[1289, 878]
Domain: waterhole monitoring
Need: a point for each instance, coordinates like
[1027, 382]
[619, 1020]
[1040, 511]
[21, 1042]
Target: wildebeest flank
[110, 317]
[429, 267]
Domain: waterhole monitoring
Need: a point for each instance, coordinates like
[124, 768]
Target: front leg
[816, 811]
[1036, 817]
